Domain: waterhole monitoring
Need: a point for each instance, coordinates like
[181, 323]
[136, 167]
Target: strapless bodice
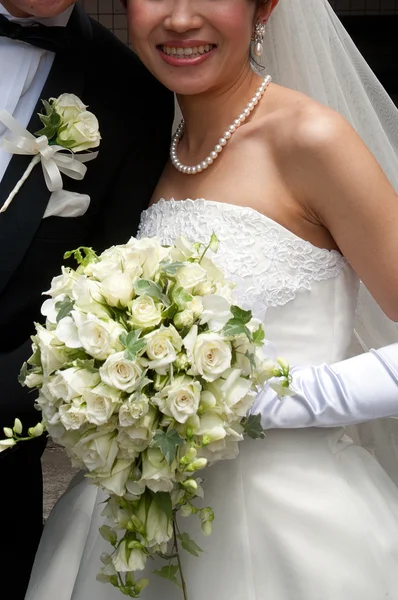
[305, 295]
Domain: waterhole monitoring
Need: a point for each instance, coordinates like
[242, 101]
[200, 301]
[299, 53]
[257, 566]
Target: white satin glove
[354, 391]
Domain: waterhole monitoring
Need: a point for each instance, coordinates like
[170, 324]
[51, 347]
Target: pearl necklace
[215, 153]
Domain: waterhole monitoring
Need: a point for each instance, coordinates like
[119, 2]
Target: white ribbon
[53, 159]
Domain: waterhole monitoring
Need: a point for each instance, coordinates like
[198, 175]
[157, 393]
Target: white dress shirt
[24, 70]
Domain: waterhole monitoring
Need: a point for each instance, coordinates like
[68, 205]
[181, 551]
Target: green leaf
[189, 544]
[171, 268]
[259, 336]
[235, 327]
[168, 442]
[22, 374]
[169, 312]
[145, 287]
[253, 428]
[163, 500]
[64, 308]
[132, 343]
[181, 297]
[242, 315]
[82, 255]
[169, 572]
[88, 364]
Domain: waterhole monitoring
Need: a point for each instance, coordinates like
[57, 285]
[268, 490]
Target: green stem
[183, 584]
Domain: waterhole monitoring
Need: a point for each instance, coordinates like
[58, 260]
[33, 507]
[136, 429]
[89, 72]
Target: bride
[303, 211]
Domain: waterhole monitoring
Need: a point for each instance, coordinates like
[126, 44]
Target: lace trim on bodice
[268, 263]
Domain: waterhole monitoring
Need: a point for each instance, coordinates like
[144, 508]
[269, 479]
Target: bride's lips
[185, 53]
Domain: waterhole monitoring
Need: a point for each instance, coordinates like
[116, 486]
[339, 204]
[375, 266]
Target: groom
[135, 116]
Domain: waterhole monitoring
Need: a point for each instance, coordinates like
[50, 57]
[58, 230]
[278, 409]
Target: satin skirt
[301, 515]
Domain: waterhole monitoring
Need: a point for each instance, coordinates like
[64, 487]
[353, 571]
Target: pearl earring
[259, 33]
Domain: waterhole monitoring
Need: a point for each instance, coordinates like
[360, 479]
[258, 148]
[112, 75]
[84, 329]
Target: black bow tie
[55, 39]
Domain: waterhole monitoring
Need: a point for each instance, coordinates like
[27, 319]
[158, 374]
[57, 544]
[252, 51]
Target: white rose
[157, 474]
[125, 560]
[115, 482]
[121, 373]
[118, 289]
[209, 354]
[71, 383]
[110, 261]
[101, 403]
[99, 338]
[71, 416]
[180, 399]
[81, 133]
[150, 253]
[53, 353]
[162, 347]
[141, 433]
[97, 451]
[133, 409]
[216, 312]
[145, 312]
[68, 106]
[62, 284]
[190, 275]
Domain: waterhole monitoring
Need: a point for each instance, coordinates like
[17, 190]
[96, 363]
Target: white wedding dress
[301, 515]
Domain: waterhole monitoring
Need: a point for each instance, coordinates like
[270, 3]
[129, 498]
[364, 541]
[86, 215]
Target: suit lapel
[21, 220]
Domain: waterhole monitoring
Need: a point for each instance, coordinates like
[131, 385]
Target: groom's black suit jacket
[135, 114]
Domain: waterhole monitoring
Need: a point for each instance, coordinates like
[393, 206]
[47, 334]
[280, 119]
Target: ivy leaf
[189, 544]
[253, 428]
[259, 336]
[132, 343]
[171, 268]
[163, 500]
[169, 572]
[181, 297]
[241, 315]
[64, 308]
[88, 364]
[168, 442]
[237, 325]
[82, 255]
[145, 287]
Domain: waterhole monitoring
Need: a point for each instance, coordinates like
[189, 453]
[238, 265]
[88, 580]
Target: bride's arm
[343, 188]
[353, 391]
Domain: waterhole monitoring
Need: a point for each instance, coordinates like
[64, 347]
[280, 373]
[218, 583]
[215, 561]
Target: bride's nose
[182, 16]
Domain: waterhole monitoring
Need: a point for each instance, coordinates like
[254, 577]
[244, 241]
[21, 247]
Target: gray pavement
[57, 473]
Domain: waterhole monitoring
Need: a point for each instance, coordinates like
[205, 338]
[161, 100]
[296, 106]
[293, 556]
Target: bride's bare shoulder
[296, 120]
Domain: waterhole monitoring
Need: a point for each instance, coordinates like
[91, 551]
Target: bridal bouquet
[146, 372]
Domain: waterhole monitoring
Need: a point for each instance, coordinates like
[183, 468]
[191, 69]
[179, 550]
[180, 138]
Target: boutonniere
[68, 129]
